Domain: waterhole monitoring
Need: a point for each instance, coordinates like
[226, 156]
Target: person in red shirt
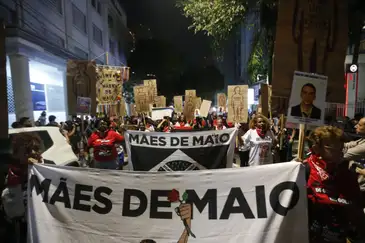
[103, 142]
[334, 198]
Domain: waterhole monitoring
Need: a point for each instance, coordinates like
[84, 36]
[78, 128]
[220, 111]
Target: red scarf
[260, 132]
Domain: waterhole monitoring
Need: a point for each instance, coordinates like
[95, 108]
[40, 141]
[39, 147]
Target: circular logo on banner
[353, 68]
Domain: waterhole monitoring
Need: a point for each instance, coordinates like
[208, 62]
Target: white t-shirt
[260, 148]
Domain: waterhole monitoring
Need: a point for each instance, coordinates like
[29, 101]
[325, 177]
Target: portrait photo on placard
[307, 99]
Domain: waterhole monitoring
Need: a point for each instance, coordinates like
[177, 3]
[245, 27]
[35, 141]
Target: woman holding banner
[259, 140]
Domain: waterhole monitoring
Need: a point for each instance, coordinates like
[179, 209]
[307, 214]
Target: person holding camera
[103, 141]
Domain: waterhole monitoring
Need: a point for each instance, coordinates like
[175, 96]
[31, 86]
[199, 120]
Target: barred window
[97, 35]
[78, 19]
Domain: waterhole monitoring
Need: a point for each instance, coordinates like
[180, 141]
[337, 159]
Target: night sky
[167, 23]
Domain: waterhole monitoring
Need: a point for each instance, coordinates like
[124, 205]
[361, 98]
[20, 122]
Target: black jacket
[315, 114]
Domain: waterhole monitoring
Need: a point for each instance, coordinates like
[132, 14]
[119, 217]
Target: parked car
[55, 149]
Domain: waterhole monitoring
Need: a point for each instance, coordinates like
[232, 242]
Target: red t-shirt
[328, 196]
[104, 147]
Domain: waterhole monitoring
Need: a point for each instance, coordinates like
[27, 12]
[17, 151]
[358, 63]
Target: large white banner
[263, 204]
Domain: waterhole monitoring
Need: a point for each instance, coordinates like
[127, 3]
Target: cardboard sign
[152, 90]
[141, 97]
[81, 82]
[205, 108]
[178, 103]
[237, 103]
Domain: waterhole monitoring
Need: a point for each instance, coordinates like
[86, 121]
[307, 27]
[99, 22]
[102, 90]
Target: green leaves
[215, 18]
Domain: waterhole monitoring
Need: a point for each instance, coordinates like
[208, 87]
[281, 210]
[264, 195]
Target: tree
[220, 18]
[215, 18]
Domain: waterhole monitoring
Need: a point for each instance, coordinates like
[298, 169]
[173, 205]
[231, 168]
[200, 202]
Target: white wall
[42, 74]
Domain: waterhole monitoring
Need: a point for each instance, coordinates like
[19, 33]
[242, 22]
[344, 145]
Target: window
[111, 46]
[97, 35]
[81, 53]
[52, 37]
[96, 5]
[78, 19]
[55, 4]
[98, 8]
[110, 21]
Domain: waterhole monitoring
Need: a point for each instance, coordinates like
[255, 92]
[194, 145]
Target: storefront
[42, 91]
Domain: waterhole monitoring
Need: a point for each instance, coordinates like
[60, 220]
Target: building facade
[43, 34]
[355, 83]
[237, 50]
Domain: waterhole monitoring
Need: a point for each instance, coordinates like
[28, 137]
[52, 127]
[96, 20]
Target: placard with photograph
[307, 99]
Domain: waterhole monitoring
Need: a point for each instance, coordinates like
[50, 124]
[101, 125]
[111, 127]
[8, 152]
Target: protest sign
[160, 101]
[81, 82]
[141, 97]
[205, 108]
[178, 103]
[160, 113]
[83, 105]
[190, 92]
[189, 107]
[263, 204]
[307, 100]
[237, 103]
[222, 100]
[155, 151]
[308, 39]
[198, 102]
[109, 85]
[151, 85]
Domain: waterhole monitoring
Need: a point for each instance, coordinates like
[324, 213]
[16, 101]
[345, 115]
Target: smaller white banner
[160, 113]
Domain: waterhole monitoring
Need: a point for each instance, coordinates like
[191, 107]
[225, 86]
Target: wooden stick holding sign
[282, 126]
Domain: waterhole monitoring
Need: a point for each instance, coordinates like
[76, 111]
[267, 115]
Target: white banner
[179, 151]
[263, 204]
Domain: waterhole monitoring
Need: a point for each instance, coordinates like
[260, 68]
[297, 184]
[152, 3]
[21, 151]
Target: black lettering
[134, 139]
[127, 211]
[162, 141]
[108, 205]
[61, 194]
[210, 197]
[228, 209]
[77, 205]
[275, 197]
[209, 140]
[174, 141]
[154, 141]
[261, 202]
[42, 187]
[184, 141]
[224, 138]
[198, 140]
[144, 140]
[155, 204]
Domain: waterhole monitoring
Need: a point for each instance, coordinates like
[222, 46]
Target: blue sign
[38, 97]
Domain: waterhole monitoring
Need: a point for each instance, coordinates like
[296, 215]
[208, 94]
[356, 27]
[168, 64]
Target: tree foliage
[220, 18]
[215, 18]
